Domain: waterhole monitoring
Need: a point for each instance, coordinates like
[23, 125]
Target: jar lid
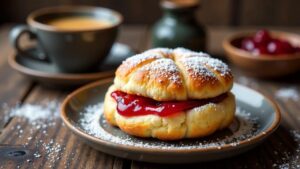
[179, 4]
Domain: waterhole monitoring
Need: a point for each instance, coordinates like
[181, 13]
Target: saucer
[48, 74]
[257, 116]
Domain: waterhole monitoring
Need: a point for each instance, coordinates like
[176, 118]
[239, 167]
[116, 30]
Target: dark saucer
[49, 75]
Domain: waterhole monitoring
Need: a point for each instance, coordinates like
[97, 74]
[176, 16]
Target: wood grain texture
[269, 12]
[212, 12]
[134, 11]
[280, 149]
[52, 145]
[14, 87]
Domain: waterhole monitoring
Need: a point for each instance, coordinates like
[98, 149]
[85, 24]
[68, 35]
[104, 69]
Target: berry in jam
[263, 43]
[248, 44]
[262, 37]
[132, 105]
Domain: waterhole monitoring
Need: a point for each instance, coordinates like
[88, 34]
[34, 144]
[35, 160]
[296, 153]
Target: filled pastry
[171, 94]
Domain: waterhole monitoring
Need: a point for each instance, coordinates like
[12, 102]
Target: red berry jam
[132, 105]
[263, 43]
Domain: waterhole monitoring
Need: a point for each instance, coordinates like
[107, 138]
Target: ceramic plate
[49, 75]
[256, 118]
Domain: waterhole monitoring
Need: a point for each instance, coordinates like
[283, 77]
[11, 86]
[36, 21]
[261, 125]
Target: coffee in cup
[75, 39]
[78, 23]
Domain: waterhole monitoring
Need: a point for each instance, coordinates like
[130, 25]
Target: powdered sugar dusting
[211, 63]
[198, 64]
[217, 65]
[183, 52]
[163, 68]
[94, 124]
[140, 58]
[203, 59]
[197, 69]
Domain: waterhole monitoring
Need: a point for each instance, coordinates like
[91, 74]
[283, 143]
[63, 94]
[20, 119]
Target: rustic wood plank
[290, 108]
[269, 12]
[14, 87]
[52, 145]
[214, 12]
[134, 12]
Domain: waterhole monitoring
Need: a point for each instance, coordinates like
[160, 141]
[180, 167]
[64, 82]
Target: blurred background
[211, 13]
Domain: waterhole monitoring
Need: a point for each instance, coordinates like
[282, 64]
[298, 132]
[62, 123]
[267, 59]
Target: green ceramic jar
[178, 26]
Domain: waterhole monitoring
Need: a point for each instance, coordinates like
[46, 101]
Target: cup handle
[14, 37]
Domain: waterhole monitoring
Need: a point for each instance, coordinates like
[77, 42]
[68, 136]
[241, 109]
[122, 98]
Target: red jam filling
[132, 105]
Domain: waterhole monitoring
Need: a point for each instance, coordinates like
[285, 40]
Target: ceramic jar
[178, 26]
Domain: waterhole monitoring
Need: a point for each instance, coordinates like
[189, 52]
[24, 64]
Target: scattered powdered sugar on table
[290, 160]
[34, 112]
[40, 119]
[289, 93]
[91, 119]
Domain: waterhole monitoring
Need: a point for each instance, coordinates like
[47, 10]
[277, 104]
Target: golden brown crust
[165, 74]
[197, 122]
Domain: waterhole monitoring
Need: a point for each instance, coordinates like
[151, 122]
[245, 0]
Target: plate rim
[247, 142]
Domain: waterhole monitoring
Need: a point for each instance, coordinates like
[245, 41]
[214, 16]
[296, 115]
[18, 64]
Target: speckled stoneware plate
[48, 74]
[256, 118]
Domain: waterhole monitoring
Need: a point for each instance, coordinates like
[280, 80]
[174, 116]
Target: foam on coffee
[77, 23]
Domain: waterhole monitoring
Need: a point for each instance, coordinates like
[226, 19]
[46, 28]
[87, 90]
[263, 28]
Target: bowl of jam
[264, 53]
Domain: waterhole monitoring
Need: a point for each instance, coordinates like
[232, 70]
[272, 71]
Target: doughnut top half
[173, 74]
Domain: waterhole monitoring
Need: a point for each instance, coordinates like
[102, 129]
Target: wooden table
[280, 150]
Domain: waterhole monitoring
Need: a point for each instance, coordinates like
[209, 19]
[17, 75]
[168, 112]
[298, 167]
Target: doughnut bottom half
[197, 122]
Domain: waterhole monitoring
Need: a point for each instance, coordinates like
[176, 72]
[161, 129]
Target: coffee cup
[75, 39]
